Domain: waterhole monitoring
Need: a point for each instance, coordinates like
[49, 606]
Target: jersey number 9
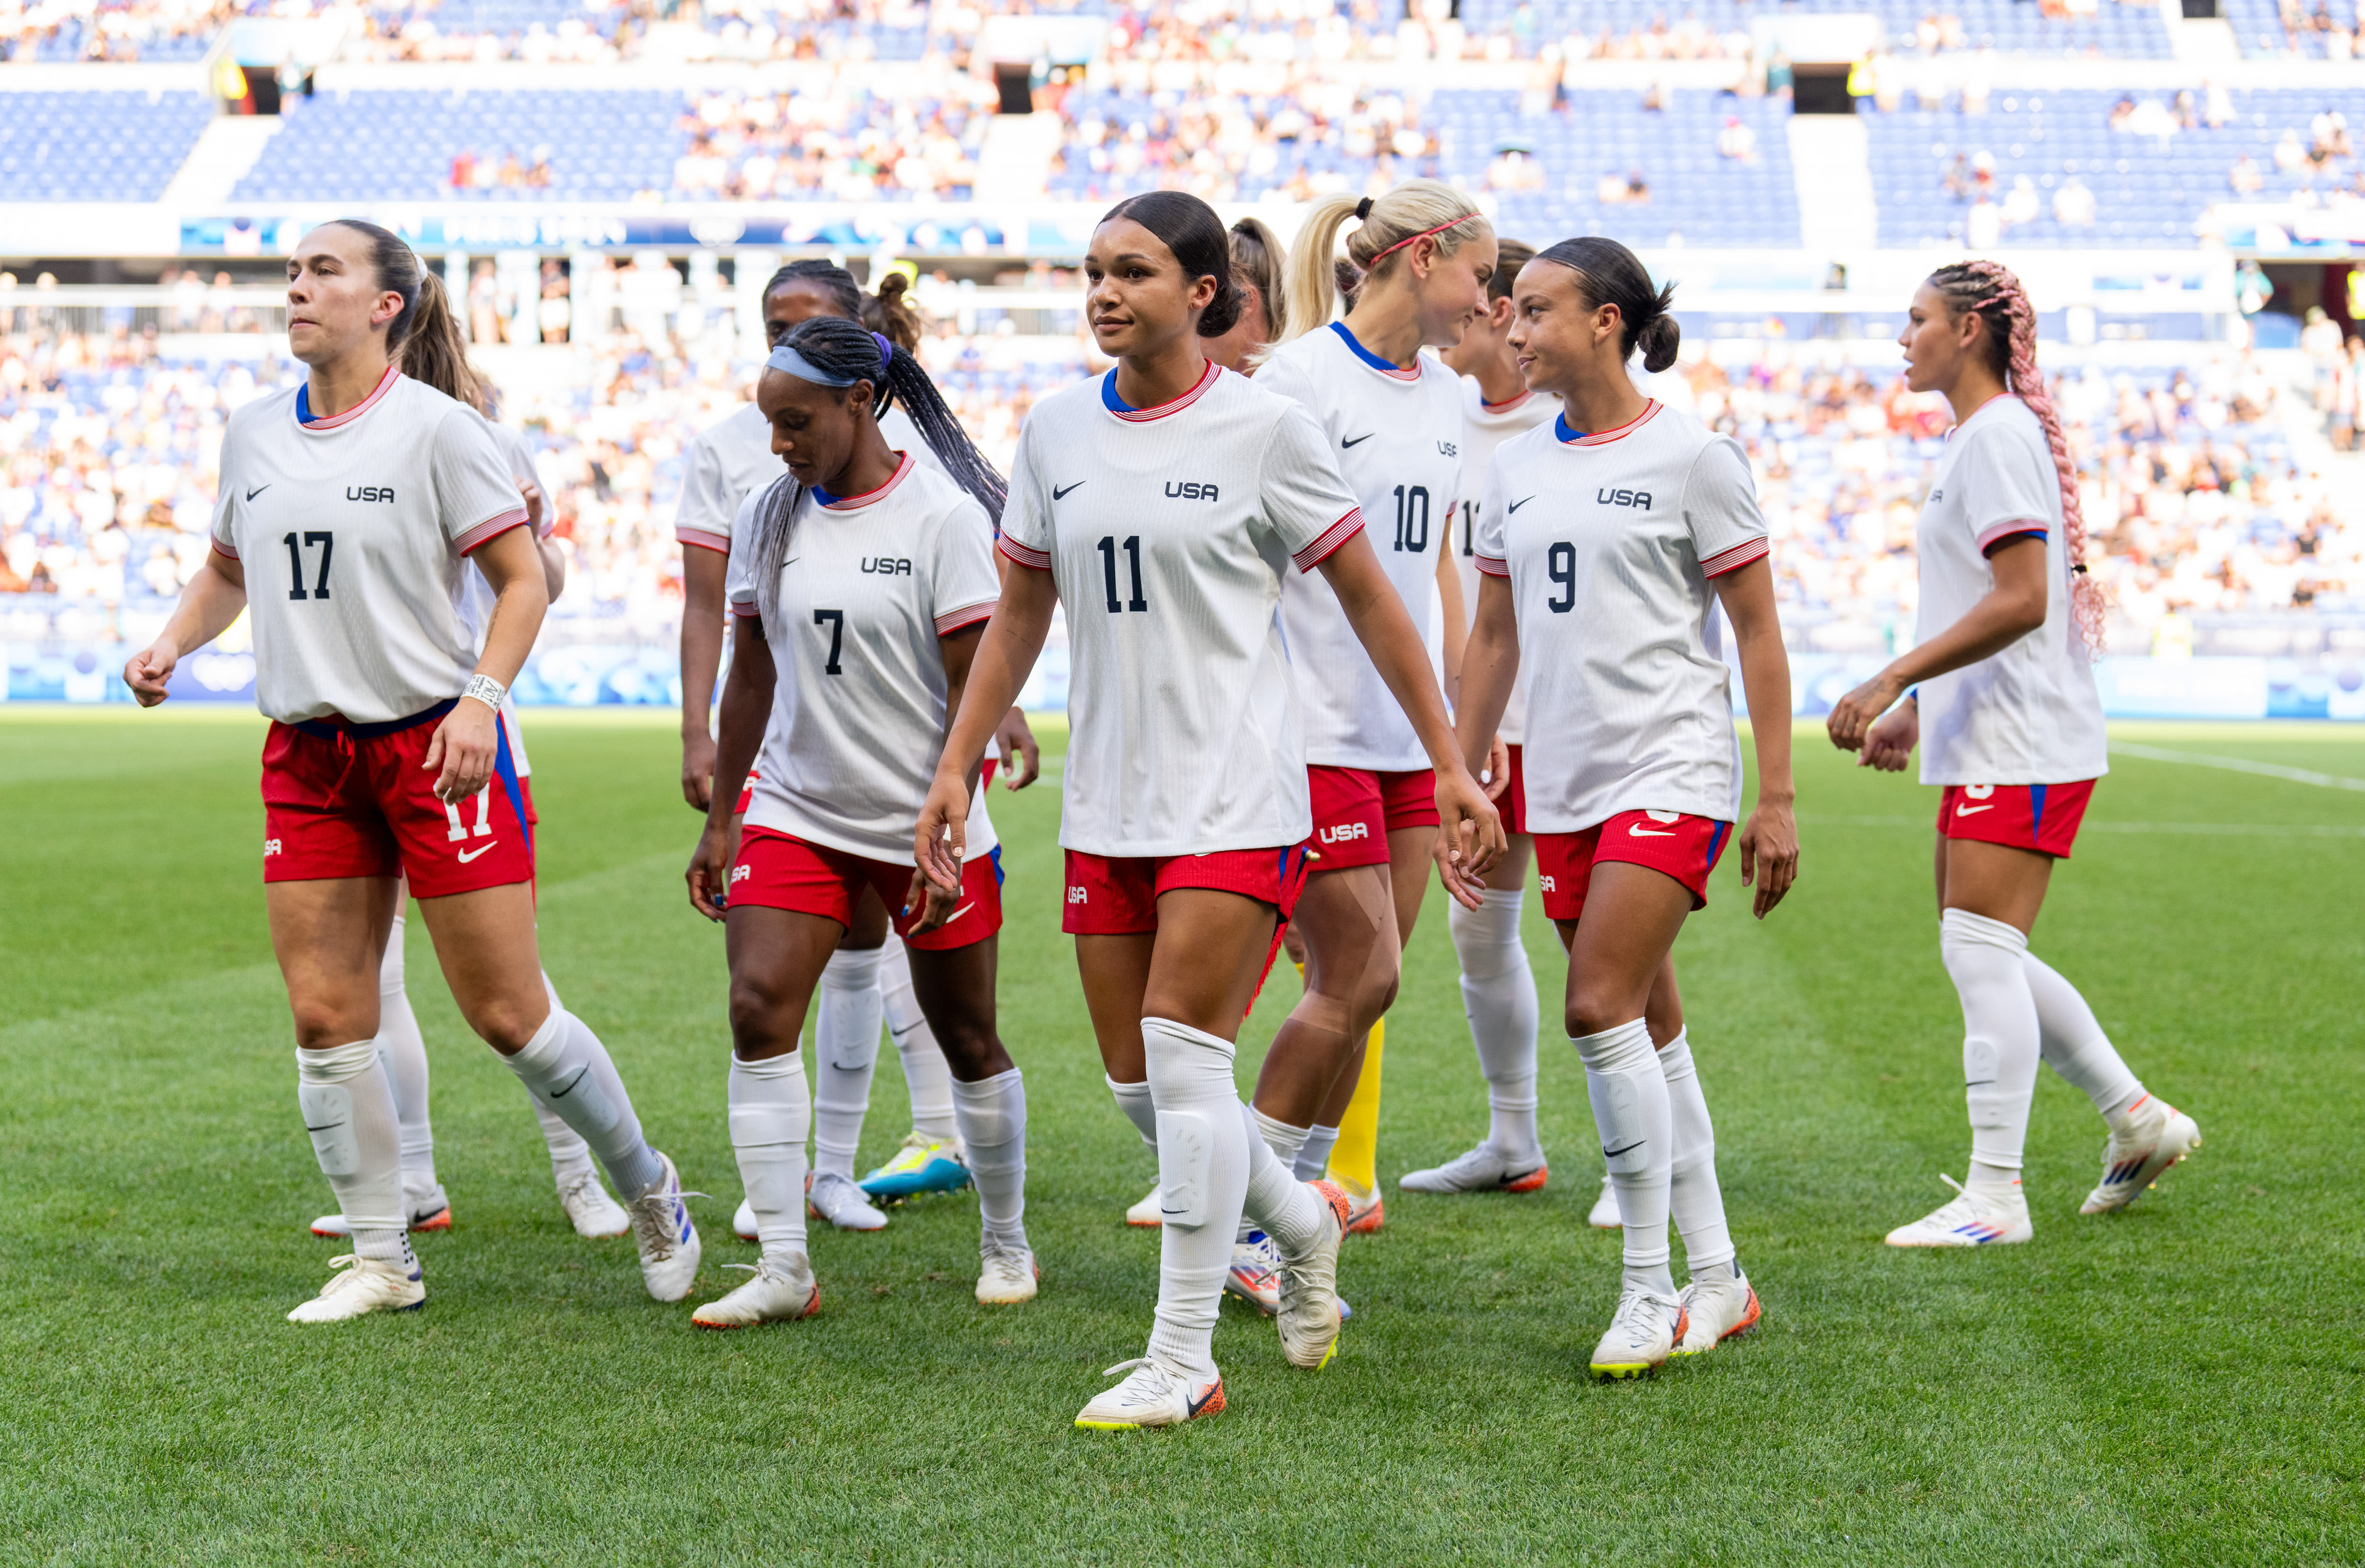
[1560, 565]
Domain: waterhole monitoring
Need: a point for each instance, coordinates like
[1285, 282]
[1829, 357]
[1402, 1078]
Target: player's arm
[1470, 836]
[959, 652]
[1769, 840]
[739, 734]
[2009, 612]
[1457, 613]
[1490, 663]
[554, 559]
[702, 572]
[462, 752]
[1005, 656]
[212, 600]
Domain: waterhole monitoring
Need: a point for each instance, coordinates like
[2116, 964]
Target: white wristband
[486, 690]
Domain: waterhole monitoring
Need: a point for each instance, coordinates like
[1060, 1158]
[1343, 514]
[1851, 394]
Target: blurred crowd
[842, 145]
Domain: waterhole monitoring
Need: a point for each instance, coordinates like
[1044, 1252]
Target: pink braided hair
[1991, 289]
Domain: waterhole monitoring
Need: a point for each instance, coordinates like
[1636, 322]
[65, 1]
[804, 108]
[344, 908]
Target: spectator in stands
[1737, 142]
[2073, 205]
[2020, 204]
[2246, 178]
[2290, 153]
[1983, 225]
[2123, 113]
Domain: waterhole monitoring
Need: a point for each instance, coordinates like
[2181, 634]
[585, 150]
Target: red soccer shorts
[1355, 809]
[343, 800]
[2042, 817]
[779, 870]
[1110, 897]
[1683, 846]
[1513, 801]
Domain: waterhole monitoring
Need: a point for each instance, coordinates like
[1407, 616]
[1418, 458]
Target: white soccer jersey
[354, 534]
[1610, 541]
[1169, 532]
[734, 459]
[2029, 714]
[870, 587]
[1486, 427]
[1396, 435]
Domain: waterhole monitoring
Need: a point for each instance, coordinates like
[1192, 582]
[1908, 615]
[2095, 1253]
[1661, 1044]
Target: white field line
[2238, 764]
[2209, 830]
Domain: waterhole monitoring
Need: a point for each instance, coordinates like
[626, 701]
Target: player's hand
[536, 507]
[1888, 744]
[1022, 759]
[1769, 853]
[933, 904]
[150, 670]
[709, 871]
[1498, 768]
[461, 753]
[940, 840]
[1470, 837]
[1854, 714]
[698, 771]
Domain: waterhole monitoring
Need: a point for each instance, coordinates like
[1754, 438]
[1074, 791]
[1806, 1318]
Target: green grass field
[2177, 1385]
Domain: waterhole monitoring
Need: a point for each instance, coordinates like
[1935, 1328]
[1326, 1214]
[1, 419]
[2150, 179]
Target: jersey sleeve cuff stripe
[1337, 534]
[738, 608]
[1493, 566]
[2003, 530]
[227, 551]
[702, 539]
[491, 528]
[952, 621]
[1040, 560]
[1732, 560]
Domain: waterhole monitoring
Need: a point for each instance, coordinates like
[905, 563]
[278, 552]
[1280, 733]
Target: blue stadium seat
[97, 146]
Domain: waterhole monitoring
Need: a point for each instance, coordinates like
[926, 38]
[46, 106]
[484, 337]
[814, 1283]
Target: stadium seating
[95, 146]
[2117, 29]
[600, 145]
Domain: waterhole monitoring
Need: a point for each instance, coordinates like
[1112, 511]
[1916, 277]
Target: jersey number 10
[328, 543]
[1412, 518]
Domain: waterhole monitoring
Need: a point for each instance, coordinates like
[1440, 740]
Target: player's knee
[1595, 1007]
[971, 1048]
[320, 1023]
[508, 1027]
[756, 1010]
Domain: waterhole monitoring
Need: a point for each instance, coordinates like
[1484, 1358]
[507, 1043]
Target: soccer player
[1608, 539]
[351, 509]
[2001, 686]
[868, 977]
[860, 583]
[434, 353]
[1259, 271]
[1161, 504]
[1391, 415]
[1499, 987]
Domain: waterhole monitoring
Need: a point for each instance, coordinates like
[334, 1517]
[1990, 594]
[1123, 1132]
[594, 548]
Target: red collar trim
[1139, 416]
[872, 498]
[1504, 406]
[384, 385]
[1650, 408]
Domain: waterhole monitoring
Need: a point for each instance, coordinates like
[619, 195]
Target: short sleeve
[1488, 552]
[475, 496]
[2007, 488]
[1720, 508]
[965, 583]
[1303, 496]
[224, 532]
[739, 575]
[1025, 516]
[705, 514]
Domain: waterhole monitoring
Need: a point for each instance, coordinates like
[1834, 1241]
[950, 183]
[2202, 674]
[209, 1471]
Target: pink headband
[1425, 234]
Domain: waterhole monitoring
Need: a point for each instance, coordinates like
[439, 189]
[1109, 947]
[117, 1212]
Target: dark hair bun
[1223, 312]
[1657, 340]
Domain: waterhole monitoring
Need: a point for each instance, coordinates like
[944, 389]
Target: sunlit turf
[2177, 1385]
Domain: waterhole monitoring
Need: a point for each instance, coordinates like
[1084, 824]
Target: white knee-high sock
[404, 1053]
[1498, 995]
[1202, 1160]
[348, 1107]
[1629, 1091]
[2072, 1042]
[992, 1114]
[567, 1070]
[1693, 1195]
[570, 1157]
[926, 1076]
[1133, 1099]
[846, 1053]
[771, 1111]
[1313, 1154]
[1276, 1201]
[1987, 960]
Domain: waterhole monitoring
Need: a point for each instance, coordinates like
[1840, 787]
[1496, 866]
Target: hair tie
[886, 352]
[1422, 235]
[789, 361]
[1363, 211]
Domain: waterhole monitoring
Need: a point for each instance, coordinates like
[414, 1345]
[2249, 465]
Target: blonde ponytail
[1414, 210]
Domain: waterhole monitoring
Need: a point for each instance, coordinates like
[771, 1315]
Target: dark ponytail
[1609, 273]
[892, 313]
[435, 352]
[397, 271]
[841, 348]
[1189, 228]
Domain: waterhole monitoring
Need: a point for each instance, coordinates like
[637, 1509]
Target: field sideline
[2181, 1383]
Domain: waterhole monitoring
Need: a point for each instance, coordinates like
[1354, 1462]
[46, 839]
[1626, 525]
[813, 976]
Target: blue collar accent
[1368, 357]
[824, 497]
[1116, 404]
[1560, 428]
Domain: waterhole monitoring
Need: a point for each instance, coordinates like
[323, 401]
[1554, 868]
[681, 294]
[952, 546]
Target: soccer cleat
[1150, 1212]
[742, 1223]
[773, 1293]
[1151, 1395]
[1983, 1213]
[429, 1210]
[1007, 1274]
[924, 1164]
[1643, 1333]
[835, 1198]
[1715, 1311]
[1252, 1276]
[668, 1241]
[590, 1210]
[365, 1285]
[1366, 1211]
[1308, 1314]
[1482, 1169]
[1604, 1215]
[2156, 1136]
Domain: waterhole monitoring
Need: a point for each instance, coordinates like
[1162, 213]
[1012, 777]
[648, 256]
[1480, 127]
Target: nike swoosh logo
[1163, 1209]
[562, 1093]
[1201, 1403]
[468, 854]
[1967, 810]
[1636, 830]
[1344, 442]
[959, 912]
[1057, 494]
[1614, 1153]
[256, 491]
[1515, 506]
[323, 1127]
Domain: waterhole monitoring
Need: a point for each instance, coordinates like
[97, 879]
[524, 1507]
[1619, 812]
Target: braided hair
[824, 277]
[1989, 290]
[842, 348]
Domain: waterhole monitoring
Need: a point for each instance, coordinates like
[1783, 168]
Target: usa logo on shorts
[270, 847]
[741, 873]
[1076, 895]
[1346, 831]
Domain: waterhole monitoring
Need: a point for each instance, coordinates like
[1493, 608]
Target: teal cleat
[923, 1165]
